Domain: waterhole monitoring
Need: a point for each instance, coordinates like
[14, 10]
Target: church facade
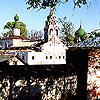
[49, 51]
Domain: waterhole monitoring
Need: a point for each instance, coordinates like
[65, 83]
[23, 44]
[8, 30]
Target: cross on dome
[52, 9]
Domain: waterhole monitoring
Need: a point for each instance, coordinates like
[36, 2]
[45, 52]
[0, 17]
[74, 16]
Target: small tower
[16, 31]
[50, 29]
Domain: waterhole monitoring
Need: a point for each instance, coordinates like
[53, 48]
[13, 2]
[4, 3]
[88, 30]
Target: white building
[51, 51]
[15, 40]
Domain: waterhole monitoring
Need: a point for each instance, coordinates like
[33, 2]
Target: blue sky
[36, 19]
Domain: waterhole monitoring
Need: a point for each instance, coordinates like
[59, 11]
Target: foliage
[16, 24]
[67, 31]
[80, 2]
[7, 34]
[34, 36]
[51, 3]
[94, 34]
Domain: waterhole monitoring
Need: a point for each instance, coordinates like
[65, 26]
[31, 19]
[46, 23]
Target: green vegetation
[67, 32]
[51, 3]
[35, 36]
[16, 24]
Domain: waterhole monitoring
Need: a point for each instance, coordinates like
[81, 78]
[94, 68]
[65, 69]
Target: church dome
[16, 18]
[80, 32]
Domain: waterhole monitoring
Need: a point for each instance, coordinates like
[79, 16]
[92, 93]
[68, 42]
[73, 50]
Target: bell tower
[50, 29]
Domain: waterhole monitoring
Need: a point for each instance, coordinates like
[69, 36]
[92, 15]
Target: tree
[94, 34]
[35, 36]
[16, 24]
[67, 32]
[51, 3]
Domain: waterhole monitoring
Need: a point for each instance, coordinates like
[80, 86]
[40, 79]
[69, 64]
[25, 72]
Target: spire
[52, 9]
[16, 18]
[80, 23]
[51, 28]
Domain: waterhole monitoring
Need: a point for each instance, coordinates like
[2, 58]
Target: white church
[50, 51]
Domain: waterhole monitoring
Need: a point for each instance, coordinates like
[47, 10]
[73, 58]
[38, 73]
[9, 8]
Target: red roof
[13, 37]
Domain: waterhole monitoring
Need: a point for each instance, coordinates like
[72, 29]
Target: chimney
[16, 32]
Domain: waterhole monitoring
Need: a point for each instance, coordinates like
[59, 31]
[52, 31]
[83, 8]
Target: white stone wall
[93, 75]
[51, 54]
[16, 41]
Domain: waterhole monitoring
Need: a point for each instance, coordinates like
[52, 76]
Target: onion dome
[80, 32]
[16, 18]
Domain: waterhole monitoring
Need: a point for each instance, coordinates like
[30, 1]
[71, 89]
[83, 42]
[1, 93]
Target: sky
[35, 20]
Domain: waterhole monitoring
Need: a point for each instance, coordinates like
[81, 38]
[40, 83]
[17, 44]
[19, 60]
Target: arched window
[33, 57]
[59, 57]
[50, 57]
[46, 57]
[56, 32]
[51, 30]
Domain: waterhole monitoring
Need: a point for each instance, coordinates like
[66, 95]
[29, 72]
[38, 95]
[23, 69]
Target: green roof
[16, 18]
[80, 32]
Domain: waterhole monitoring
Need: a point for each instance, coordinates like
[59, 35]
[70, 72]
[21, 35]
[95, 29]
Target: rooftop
[92, 42]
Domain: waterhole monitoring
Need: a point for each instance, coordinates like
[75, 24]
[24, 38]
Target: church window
[59, 57]
[56, 32]
[50, 57]
[51, 23]
[63, 57]
[51, 30]
[33, 57]
[46, 57]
